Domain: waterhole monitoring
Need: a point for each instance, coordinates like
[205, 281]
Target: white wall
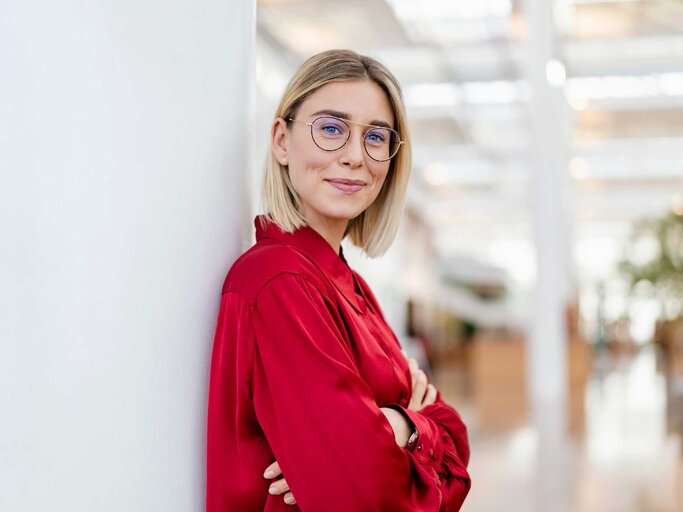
[123, 149]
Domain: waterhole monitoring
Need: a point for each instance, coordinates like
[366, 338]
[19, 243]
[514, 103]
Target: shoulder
[263, 263]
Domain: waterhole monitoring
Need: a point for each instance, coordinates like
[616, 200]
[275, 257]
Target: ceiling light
[579, 168]
[555, 73]
[421, 10]
[432, 95]
[671, 84]
[604, 87]
[495, 92]
[578, 103]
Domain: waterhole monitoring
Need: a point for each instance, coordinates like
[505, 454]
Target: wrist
[402, 427]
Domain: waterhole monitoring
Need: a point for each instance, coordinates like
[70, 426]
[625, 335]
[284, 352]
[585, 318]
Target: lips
[348, 186]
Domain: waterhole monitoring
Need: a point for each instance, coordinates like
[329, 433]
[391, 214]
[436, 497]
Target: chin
[344, 214]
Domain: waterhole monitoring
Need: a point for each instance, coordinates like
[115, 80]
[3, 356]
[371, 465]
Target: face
[318, 176]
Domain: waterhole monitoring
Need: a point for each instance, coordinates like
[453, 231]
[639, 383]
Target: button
[419, 447]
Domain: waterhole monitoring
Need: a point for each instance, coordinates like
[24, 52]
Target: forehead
[362, 101]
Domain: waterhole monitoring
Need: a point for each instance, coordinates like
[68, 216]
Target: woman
[310, 394]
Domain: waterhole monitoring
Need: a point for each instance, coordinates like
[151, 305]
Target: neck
[331, 230]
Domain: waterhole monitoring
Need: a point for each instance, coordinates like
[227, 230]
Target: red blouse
[302, 361]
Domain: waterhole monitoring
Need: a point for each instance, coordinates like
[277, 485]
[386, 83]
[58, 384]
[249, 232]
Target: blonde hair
[375, 229]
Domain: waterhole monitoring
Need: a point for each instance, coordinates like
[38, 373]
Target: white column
[123, 149]
[547, 350]
[546, 347]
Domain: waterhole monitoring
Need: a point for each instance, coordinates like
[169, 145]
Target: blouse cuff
[428, 448]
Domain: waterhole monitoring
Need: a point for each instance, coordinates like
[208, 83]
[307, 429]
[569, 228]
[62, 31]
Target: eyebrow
[344, 115]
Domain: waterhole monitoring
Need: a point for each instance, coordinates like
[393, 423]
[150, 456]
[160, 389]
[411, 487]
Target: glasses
[330, 133]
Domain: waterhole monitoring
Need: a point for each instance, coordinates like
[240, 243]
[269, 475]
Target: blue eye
[331, 129]
[376, 137]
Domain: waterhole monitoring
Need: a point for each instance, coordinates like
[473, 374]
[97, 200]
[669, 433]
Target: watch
[412, 440]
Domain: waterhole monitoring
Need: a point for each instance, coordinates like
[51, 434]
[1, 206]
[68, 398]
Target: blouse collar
[312, 244]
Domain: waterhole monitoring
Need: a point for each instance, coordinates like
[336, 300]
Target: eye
[330, 129]
[376, 137]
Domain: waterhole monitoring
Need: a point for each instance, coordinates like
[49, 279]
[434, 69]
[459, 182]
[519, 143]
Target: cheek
[380, 175]
[308, 161]
[307, 156]
[305, 176]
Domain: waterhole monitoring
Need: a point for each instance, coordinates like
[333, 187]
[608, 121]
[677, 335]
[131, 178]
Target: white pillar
[123, 149]
[547, 347]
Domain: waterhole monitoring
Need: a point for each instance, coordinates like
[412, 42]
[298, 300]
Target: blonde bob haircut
[375, 228]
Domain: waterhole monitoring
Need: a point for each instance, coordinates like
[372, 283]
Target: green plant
[653, 264]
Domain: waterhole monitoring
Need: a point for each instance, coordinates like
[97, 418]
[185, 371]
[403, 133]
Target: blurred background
[539, 271]
[537, 276]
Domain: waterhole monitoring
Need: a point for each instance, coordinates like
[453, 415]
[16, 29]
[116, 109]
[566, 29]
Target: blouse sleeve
[335, 447]
[442, 443]
[442, 437]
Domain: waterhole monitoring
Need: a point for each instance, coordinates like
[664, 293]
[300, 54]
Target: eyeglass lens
[331, 133]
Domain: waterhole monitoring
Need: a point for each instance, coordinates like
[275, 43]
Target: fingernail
[269, 474]
[289, 500]
[272, 489]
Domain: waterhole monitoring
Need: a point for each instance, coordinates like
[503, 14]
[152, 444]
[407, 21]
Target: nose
[353, 152]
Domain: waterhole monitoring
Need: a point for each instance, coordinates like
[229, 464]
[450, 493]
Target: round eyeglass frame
[346, 122]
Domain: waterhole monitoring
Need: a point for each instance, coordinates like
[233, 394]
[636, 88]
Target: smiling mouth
[348, 186]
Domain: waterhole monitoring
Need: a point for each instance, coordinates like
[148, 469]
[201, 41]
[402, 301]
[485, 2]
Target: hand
[423, 393]
[280, 486]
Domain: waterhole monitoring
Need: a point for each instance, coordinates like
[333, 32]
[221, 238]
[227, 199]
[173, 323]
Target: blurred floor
[626, 458]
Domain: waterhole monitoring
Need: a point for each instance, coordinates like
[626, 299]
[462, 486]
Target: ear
[280, 141]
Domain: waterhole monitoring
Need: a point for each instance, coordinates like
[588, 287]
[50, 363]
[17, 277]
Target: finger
[282, 485]
[414, 371]
[272, 471]
[422, 383]
[413, 365]
[289, 499]
[430, 396]
[279, 487]
[418, 391]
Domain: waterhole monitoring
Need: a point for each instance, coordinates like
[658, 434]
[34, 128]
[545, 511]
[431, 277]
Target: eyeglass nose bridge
[363, 133]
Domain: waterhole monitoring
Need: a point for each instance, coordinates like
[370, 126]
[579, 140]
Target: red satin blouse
[302, 361]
